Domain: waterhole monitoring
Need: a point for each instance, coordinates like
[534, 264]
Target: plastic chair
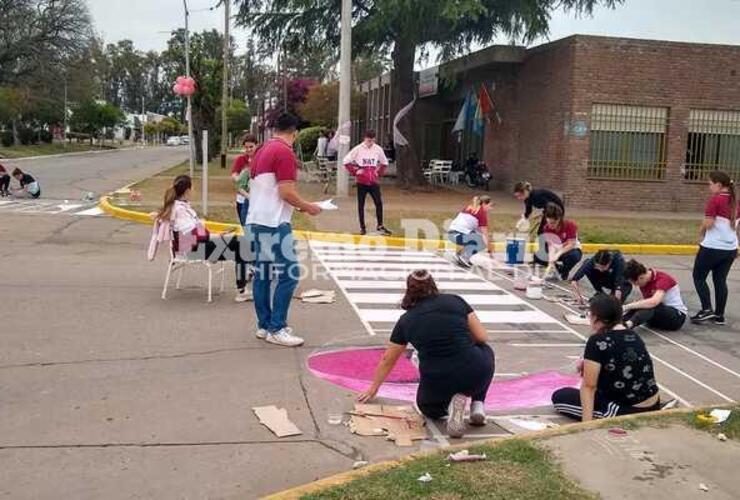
[179, 262]
[441, 170]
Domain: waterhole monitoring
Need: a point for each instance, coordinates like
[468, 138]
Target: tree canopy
[403, 27]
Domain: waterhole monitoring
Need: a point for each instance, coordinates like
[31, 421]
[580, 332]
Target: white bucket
[534, 291]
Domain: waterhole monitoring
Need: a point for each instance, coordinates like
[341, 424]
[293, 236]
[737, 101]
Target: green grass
[46, 149]
[590, 229]
[730, 427]
[515, 470]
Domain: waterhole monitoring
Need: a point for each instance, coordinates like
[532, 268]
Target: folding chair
[179, 262]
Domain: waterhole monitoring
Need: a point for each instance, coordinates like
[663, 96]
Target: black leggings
[434, 394]
[214, 251]
[567, 401]
[718, 262]
[374, 192]
[662, 317]
[4, 182]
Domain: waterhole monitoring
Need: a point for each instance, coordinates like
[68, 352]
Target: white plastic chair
[441, 170]
[179, 262]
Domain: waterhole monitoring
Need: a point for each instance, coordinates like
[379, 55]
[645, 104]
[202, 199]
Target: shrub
[6, 138]
[46, 136]
[27, 136]
[307, 138]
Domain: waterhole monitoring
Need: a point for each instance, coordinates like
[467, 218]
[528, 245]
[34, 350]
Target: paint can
[534, 291]
[515, 249]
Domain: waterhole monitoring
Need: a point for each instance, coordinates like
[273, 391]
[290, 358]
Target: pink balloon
[176, 88]
[181, 79]
[189, 81]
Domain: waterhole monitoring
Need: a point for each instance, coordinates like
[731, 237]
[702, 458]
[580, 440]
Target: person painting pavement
[536, 198]
[367, 162]
[273, 197]
[30, 187]
[661, 307]
[4, 181]
[605, 272]
[455, 361]
[617, 370]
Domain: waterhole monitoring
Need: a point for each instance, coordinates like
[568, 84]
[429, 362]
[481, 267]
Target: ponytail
[720, 177]
[478, 202]
[180, 185]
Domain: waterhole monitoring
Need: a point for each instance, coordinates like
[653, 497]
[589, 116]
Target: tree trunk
[402, 93]
[16, 137]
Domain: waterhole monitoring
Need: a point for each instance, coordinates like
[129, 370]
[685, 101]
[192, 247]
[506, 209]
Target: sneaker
[243, 295]
[703, 316]
[462, 261]
[261, 333]
[669, 405]
[719, 320]
[477, 413]
[284, 338]
[383, 231]
[363, 232]
[456, 416]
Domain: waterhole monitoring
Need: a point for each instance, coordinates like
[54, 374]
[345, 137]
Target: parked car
[173, 141]
[184, 140]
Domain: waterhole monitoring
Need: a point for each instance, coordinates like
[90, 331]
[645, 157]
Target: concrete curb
[346, 477]
[413, 243]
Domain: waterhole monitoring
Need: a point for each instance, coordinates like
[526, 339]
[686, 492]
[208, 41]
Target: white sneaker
[477, 413]
[244, 295]
[284, 338]
[261, 334]
[456, 416]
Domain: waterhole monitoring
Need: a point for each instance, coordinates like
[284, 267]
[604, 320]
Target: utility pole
[64, 132]
[189, 112]
[225, 84]
[345, 89]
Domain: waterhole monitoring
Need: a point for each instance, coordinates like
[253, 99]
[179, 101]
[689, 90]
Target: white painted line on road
[383, 258]
[407, 266]
[513, 344]
[486, 317]
[401, 285]
[95, 211]
[399, 274]
[67, 208]
[395, 298]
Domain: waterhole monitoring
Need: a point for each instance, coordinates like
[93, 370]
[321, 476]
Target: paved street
[109, 392]
[70, 177]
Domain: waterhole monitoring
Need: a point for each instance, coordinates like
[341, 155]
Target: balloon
[176, 88]
[189, 81]
[181, 79]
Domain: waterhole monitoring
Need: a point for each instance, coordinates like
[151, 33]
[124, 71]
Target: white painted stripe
[67, 208]
[93, 211]
[375, 253]
[395, 298]
[382, 258]
[486, 317]
[5, 203]
[400, 274]
[431, 267]
[401, 285]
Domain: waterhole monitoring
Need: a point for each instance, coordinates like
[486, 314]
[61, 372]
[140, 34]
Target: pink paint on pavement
[354, 368]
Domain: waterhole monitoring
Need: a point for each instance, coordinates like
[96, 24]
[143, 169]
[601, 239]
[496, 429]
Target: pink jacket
[366, 164]
[161, 231]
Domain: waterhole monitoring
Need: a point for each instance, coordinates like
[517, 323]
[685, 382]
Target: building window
[713, 144]
[628, 142]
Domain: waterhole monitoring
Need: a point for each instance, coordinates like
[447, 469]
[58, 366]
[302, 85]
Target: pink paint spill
[354, 368]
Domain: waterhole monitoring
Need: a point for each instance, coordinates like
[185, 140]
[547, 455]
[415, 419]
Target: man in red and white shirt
[662, 306]
[367, 162]
[273, 196]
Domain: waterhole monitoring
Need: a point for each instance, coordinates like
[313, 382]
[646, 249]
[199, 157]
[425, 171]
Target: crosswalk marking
[373, 279]
[50, 207]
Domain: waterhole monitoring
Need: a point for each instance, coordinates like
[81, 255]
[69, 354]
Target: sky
[148, 22]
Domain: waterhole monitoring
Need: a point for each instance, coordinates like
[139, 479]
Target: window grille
[713, 143]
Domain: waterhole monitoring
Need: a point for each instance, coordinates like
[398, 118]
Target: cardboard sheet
[400, 424]
[276, 419]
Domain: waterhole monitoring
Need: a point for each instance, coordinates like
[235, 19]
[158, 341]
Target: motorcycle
[478, 176]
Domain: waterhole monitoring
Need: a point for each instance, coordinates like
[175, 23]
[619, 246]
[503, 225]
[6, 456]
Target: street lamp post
[225, 83]
[345, 89]
[189, 112]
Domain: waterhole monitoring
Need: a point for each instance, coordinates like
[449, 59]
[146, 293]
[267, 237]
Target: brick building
[605, 121]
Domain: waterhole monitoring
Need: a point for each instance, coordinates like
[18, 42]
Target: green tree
[322, 103]
[91, 117]
[402, 27]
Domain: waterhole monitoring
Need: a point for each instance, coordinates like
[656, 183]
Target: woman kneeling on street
[455, 362]
[617, 370]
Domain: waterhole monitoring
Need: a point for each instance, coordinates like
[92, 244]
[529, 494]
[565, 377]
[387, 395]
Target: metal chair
[181, 261]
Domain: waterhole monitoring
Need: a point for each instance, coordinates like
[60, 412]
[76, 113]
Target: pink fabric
[161, 231]
[354, 368]
[366, 164]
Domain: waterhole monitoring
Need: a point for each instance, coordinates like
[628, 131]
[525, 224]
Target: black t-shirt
[626, 375]
[438, 329]
[614, 275]
[26, 179]
[539, 198]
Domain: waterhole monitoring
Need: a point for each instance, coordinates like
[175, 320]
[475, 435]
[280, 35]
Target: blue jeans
[274, 260]
[472, 243]
[242, 209]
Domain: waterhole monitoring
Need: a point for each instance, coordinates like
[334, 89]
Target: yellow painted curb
[352, 475]
[413, 243]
